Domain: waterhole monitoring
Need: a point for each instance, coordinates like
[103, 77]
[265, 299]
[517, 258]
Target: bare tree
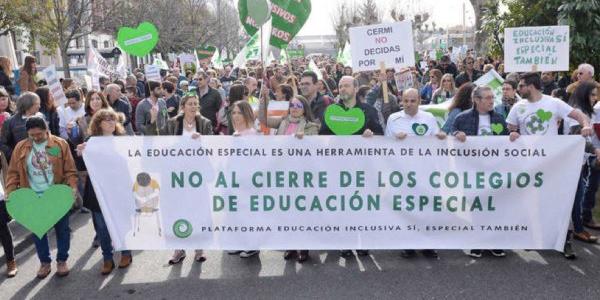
[228, 28]
[419, 15]
[344, 17]
[369, 13]
[62, 21]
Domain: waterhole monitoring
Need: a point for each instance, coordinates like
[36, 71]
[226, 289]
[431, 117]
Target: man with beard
[348, 88]
[151, 114]
[310, 90]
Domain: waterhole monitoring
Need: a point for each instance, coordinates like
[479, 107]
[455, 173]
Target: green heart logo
[344, 122]
[420, 129]
[40, 213]
[543, 115]
[253, 14]
[287, 18]
[54, 151]
[497, 128]
[138, 41]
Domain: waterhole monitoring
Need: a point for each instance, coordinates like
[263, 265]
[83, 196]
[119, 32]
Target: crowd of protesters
[195, 101]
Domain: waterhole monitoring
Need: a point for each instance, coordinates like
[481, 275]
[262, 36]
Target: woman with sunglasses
[298, 122]
[189, 123]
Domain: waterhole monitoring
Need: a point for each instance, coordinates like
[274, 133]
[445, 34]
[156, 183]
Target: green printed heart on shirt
[40, 213]
[543, 115]
[138, 41]
[420, 129]
[53, 151]
[344, 122]
[497, 128]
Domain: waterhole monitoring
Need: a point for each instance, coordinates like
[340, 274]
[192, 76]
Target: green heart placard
[420, 129]
[544, 115]
[138, 41]
[497, 128]
[253, 14]
[344, 122]
[40, 213]
[287, 18]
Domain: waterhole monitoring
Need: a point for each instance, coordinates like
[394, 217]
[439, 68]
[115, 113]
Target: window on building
[106, 44]
[95, 44]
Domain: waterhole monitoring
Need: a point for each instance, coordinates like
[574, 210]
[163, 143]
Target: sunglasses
[296, 105]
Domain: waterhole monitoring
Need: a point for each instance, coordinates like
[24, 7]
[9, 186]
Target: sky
[445, 13]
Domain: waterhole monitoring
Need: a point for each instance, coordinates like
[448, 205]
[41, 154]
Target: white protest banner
[54, 85]
[97, 65]
[328, 192]
[493, 80]
[152, 73]
[537, 49]
[391, 43]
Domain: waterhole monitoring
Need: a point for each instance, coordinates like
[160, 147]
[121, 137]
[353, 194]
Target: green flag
[313, 67]
[161, 64]
[283, 56]
[287, 18]
[271, 58]
[438, 54]
[250, 51]
[253, 14]
[216, 60]
[346, 57]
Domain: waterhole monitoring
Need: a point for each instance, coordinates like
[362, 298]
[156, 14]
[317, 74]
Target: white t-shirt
[485, 126]
[538, 118]
[421, 124]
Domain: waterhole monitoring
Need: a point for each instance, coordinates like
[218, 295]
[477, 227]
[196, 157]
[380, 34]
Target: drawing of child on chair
[146, 192]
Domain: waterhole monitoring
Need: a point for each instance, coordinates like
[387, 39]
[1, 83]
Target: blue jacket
[468, 122]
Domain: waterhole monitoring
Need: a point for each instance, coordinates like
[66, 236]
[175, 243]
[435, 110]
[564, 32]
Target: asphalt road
[382, 275]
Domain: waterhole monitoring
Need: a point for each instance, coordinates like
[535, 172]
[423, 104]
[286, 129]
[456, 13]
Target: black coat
[210, 104]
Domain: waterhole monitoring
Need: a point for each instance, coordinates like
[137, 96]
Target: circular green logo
[182, 228]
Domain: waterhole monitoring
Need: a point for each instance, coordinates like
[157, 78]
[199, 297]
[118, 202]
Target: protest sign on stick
[384, 86]
[54, 84]
[536, 49]
[391, 43]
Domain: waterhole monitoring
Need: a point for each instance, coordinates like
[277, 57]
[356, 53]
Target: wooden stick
[384, 85]
[294, 86]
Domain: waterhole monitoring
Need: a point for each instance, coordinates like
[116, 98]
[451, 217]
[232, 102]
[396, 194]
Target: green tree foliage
[583, 16]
